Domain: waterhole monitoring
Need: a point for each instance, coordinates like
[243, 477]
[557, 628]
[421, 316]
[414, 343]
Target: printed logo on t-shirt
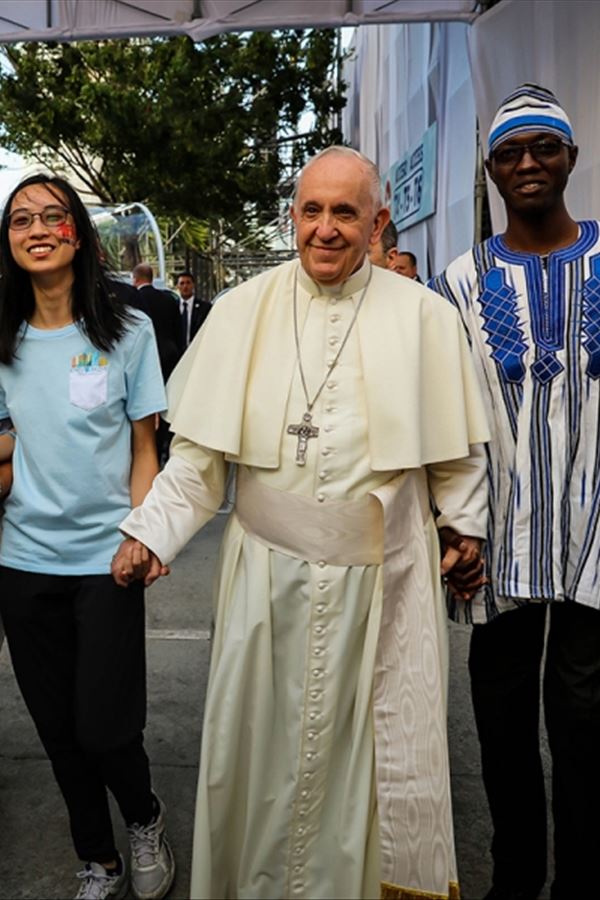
[88, 380]
[88, 361]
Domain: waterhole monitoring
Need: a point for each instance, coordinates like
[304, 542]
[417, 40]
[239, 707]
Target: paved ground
[35, 856]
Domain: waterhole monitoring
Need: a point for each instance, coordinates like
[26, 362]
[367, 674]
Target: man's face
[335, 218]
[404, 265]
[535, 183]
[185, 286]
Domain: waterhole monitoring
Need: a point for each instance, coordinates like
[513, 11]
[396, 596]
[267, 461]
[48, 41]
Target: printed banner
[409, 185]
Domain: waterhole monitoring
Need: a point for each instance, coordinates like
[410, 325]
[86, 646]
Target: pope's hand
[133, 561]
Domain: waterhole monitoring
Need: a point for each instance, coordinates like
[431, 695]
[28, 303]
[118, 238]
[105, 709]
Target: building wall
[402, 78]
[556, 45]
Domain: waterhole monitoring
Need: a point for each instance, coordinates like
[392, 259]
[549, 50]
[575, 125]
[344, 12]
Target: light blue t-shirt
[72, 407]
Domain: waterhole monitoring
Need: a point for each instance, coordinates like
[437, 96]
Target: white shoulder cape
[229, 391]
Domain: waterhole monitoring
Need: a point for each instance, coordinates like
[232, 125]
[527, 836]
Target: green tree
[195, 131]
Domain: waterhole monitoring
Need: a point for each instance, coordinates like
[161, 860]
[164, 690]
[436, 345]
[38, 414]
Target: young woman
[81, 383]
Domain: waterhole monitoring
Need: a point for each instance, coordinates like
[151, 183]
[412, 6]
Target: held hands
[462, 564]
[134, 561]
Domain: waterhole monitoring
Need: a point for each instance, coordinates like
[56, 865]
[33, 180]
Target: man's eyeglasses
[51, 217]
[546, 148]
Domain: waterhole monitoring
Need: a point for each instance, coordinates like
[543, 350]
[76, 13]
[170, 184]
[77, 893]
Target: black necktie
[184, 321]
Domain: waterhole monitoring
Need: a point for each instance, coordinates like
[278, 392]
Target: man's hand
[462, 565]
[133, 561]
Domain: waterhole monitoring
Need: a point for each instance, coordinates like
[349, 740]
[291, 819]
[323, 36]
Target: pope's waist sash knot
[338, 532]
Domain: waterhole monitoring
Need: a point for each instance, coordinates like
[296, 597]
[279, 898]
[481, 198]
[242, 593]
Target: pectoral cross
[305, 430]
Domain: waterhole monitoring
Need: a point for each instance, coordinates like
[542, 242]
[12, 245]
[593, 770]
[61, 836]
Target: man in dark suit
[125, 293]
[192, 309]
[162, 308]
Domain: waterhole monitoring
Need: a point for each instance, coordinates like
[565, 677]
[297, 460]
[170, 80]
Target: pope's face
[335, 217]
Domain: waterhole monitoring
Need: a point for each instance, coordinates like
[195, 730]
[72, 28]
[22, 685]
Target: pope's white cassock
[324, 765]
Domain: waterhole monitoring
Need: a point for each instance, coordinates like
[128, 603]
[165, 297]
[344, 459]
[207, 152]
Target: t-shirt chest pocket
[87, 390]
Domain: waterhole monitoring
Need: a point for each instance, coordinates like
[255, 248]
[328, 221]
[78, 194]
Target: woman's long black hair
[96, 309]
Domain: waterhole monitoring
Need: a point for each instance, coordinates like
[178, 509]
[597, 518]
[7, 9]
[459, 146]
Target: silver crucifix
[305, 430]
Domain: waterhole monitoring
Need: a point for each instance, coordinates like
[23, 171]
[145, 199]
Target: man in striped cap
[530, 301]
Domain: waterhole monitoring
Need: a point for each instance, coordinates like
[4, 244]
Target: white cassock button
[320, 607]
[321, 564]
[322, 475]
[322, 585]
[333, 341]
[331, 385]
[318, 651]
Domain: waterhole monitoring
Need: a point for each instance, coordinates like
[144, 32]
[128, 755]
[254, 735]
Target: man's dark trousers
[505, 664]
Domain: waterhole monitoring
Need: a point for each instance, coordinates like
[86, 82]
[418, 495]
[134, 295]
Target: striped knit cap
[529, 108]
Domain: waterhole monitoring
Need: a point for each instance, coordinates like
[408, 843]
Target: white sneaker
[98, 883]
[152, 863]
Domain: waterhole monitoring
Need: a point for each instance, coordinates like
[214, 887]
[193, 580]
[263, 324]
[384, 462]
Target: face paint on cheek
[66, 232]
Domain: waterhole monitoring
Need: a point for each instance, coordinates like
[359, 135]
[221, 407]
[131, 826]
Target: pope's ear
[381, 219]
[293, 214]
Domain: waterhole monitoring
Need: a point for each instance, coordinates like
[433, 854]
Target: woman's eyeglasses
[546, 148]
[50, 216]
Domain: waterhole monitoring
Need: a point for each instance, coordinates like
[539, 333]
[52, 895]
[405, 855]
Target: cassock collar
[355, 283]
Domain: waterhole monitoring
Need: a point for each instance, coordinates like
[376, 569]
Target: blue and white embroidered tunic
[534, 327]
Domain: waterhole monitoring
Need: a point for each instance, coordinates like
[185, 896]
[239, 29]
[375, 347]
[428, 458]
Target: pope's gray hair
[371, 171]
